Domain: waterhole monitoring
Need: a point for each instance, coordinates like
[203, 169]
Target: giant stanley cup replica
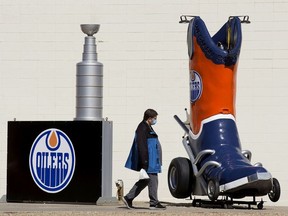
[89, 81]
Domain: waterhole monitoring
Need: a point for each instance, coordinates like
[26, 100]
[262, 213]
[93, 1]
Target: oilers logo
[52, 160]
[195, 86]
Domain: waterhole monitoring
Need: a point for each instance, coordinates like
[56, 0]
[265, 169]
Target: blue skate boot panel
[221, 135]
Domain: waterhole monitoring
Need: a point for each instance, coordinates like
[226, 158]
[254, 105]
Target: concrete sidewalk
[33, 209]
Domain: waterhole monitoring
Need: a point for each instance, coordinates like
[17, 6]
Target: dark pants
[152, 183]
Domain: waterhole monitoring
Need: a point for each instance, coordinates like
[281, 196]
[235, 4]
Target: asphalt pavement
[141, 208]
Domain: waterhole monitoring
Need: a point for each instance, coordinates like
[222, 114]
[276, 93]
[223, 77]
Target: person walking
[145, 153]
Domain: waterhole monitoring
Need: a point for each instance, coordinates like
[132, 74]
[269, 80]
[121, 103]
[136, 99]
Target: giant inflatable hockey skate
[217, 165]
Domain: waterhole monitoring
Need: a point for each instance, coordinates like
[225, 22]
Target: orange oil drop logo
[53, 140]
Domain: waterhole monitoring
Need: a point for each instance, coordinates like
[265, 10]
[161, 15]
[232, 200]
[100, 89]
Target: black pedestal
[41, 166]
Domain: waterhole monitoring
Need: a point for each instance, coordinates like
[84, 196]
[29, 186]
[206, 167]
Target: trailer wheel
[180, 177]
[274, 194]
[213, 189]
[260, 205]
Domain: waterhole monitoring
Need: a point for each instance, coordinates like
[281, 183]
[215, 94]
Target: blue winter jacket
[145, 151]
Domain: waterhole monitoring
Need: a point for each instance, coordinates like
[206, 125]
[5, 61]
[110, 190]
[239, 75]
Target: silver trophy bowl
[90, 29]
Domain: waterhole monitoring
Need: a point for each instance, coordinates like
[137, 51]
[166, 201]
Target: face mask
[154, 121]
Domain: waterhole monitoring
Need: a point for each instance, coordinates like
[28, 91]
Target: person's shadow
[167, 204]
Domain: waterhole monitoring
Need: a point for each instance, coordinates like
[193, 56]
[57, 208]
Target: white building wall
[143, 49]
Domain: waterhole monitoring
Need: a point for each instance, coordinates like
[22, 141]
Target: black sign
[54, 161]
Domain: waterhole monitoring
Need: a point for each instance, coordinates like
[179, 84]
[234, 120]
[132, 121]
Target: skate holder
[245, 19]
[184, 18]
[227, 204]
[187, 18]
